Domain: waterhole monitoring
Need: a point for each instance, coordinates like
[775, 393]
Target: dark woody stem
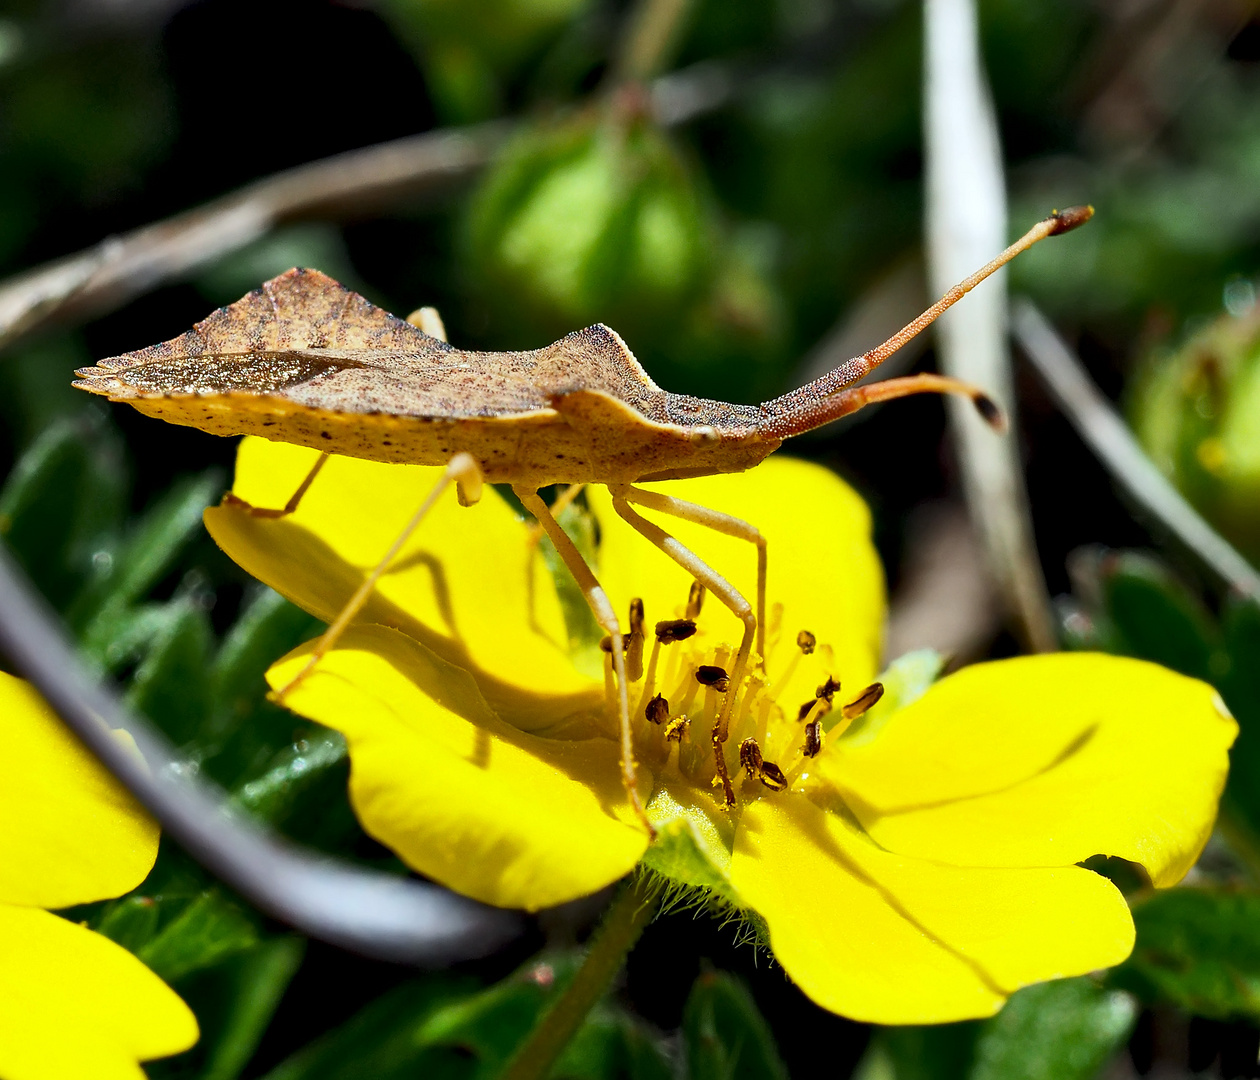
[636, 905]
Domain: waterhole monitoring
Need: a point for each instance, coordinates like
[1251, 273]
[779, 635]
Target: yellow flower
[72, 1003]
[920, 868]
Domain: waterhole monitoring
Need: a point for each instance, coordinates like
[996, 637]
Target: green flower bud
[595, 219]
[1196, 410]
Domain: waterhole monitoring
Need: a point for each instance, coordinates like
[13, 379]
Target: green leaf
[235, 1000]
[130, 921]
[247, 732]
[1240, 687]
[206, 931]
[937, 1052]
[726, 1036]
[62, 505]
[612, 1045]
[146, 557]
[296, 770]
[447, 1026]
[268, 627]
[1198, 949]
[1063, 1030]
[1157, 617]
[171, 685]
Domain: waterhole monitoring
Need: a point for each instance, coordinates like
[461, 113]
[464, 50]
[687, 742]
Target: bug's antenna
[833, 395]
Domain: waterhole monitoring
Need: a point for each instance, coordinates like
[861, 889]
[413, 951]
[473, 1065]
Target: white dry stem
[966, 225]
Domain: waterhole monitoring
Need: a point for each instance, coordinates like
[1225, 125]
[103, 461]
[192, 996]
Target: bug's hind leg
[294, 499]
[719, 522]
[607, 619]
[730, 596]
[464, 471]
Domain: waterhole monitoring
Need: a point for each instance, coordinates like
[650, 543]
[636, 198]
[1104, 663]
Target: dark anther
[772, 776]
[605, 643]
[714, 676]
[808, 706]
[828, 689]
[750, 756]
[677, 728]
[805, 641]
[657, 710]
[864, 700]
[634, 642]
[674, 630]
[813, 738]
[636, 616]
[695, 600]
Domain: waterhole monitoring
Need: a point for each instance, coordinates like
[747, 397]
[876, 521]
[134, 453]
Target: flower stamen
[671, 630]
[805, 645]
[677, 728]
[772, 776]
[813, 738]
[657, 711]
[634, 642]
[695, 600]
[855, 708]
[714, 676]
[864, 701]
[750, 757]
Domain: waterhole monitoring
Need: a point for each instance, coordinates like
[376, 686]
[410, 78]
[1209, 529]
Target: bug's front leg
[725, 592]
[290, 506]
[465, 473]
[607, 619]
[719, 522]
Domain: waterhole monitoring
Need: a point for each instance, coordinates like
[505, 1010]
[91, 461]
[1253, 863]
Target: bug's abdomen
[537, 448]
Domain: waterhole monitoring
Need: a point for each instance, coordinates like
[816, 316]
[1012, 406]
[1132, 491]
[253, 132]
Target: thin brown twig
[120, 268]
[107, 275]
[1107, 435]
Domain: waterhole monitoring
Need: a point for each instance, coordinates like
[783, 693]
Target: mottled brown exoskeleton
[303, 360]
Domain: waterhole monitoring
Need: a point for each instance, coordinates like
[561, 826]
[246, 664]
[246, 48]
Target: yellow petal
[894, 940]
[495, 813]
[1045, 761]
[74, 1005]
[822, 567]
[467, 585]
[71, 832]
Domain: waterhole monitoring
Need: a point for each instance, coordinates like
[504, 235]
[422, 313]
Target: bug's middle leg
[719, 522]
[294, 499]
[607, 619]
[465, 473]
[730, 596]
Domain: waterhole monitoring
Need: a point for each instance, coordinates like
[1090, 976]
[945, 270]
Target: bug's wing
[297, 311]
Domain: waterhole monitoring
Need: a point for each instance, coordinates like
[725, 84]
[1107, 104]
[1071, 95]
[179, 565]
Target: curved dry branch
[1109, 437]
[120, 268]
[379, 915]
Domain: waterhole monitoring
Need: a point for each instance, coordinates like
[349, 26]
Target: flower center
[678, 695]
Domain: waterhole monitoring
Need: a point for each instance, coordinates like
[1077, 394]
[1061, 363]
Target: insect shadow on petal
[304, 360]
